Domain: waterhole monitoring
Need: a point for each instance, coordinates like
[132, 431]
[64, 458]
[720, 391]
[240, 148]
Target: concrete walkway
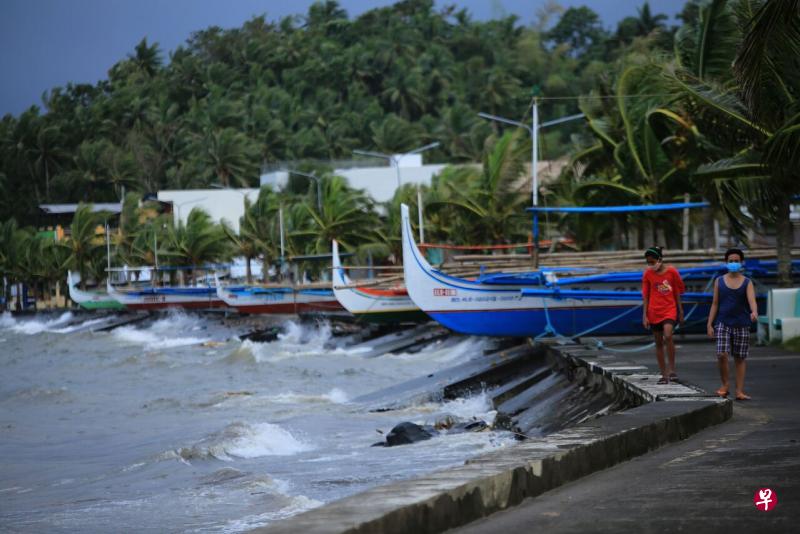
[705, 483]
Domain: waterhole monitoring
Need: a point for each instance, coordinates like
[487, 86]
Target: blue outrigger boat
[538, 302]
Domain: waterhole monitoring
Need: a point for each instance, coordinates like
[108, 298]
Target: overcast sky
[47, 43]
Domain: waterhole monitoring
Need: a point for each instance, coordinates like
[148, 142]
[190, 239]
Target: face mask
[734, 266]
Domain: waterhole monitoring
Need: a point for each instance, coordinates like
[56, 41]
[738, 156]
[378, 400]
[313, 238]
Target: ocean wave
[296, 340]
[153, 339]
[291, 505]
[80, 326]
[34, 326]
[449, 351]
[241, 440]
[38, 394]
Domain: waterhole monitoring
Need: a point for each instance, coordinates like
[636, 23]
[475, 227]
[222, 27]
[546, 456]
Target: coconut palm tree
[83, 239]
[348, 216]
[198, 242]
[756, 117]
[489, 201]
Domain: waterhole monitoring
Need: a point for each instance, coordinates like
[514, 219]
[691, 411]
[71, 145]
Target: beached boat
[159, 298]
[278, 300]
[496, 305]
[372, 304]
[90, 300]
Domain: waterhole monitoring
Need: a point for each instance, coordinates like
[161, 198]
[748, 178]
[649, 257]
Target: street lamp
[534, 131]
[395, 160]
[316, 179]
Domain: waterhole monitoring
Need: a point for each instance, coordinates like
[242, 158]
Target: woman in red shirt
[661, 289]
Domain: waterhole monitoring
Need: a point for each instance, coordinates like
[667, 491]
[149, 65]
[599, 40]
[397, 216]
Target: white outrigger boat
[159, 298]
[90, 300]
[392, 305]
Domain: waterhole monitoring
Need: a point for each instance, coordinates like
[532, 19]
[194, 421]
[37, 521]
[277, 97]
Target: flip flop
[743, 397]
[673, 377]
[722, 393]
[662, 381]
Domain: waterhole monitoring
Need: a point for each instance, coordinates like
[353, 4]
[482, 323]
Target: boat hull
[373, 305]
[91, 300]
[475, 308]
[190, 298]
[279, 300]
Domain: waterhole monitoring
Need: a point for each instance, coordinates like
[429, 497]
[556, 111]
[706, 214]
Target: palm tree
[198, 242]
[348, 216]
[83, 239]
[760, 113]
[489, 201]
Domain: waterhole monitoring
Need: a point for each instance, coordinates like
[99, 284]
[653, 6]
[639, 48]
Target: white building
[221, 204]
[228, 204]
[379, 182]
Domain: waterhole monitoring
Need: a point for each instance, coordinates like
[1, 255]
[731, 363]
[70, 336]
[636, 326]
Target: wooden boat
[90, 300]
[278, 299]
[159, 298]
[372, 304]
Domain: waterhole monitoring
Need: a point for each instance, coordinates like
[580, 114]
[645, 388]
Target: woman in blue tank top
[732, 312]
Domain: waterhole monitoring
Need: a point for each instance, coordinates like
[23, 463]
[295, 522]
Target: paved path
[703, 484]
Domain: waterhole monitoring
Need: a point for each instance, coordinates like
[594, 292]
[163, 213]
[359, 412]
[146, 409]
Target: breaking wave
[162, 333]
[34, 326]
[295, 341]
[241, 440]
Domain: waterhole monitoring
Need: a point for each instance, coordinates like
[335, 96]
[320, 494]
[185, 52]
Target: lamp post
[533, 129]
[394, 159]
[317, 180]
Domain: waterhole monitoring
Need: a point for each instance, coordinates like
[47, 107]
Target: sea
[174, 424]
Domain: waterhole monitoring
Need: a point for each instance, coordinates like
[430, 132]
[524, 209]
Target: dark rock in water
[406, 433]
[263, 336]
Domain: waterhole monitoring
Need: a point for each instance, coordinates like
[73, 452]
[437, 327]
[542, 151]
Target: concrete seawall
[503, 478]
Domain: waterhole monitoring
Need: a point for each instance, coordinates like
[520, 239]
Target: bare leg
[659, 337]
[669, 340]
[741, 367]
[722, 363]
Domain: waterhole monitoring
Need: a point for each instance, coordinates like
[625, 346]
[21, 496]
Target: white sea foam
[334, 396]
[295, 505]
[7, 320]
[84, 324]
[241, 440]
[475, 407]
[163, 333]
[297, 340]
[35, 326]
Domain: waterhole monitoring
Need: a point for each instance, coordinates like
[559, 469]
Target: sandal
[662, 381]
[743, 397]
[673, 377]
[722, 392]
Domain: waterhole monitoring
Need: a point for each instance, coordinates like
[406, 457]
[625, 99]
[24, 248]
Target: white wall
[379, 182]
[221, 204]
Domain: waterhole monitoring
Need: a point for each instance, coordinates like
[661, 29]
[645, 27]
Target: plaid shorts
[733, 340]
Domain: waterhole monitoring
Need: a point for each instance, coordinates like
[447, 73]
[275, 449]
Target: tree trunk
[784, 236]
[249, 271]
